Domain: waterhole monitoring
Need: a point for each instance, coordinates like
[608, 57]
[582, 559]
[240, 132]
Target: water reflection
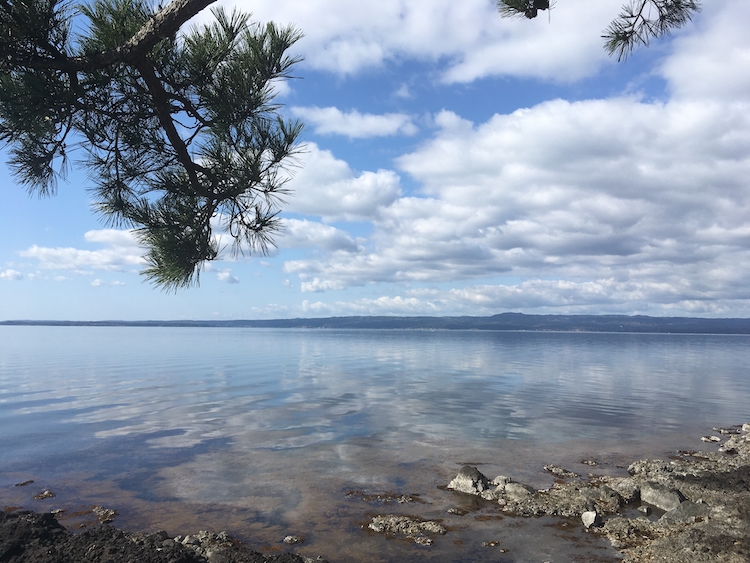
[295, 388]
[277, 424]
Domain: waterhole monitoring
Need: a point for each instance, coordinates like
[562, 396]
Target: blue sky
[456, 163]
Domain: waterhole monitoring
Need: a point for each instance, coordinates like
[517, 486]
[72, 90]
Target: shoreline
[694, 507]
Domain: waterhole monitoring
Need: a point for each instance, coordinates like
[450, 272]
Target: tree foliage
[179, 133]
[641, 21]
[638, 23]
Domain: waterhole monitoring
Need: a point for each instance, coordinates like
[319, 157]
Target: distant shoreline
[500, 322]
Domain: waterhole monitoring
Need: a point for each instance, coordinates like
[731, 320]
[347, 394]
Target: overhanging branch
[164, 23]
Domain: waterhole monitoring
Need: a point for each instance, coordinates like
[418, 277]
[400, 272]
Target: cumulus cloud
[226, 276]
[353, 124]
[328, 187]
[298, 233]
[470, 36]
[542, 297]
[715, 61]
[11, 275]
[121, 252]
[653, 196]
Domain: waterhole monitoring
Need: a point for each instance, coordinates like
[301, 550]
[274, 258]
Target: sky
[454, 162]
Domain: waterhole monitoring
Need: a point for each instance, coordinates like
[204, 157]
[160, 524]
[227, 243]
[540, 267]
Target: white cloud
[11, 275]
[538, 296]
[403, 92]
[227, 277]
[469, 36]
[122, 252]
[354, 124]
[715, 61]
[308, 234]
[651, 198]
[99, 283]
[328, 187]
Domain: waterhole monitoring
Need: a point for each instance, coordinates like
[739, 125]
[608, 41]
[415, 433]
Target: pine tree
[180, 133]
[637, 24]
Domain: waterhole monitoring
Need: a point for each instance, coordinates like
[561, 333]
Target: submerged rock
[558, 471]
[105, 515]
[409, 527]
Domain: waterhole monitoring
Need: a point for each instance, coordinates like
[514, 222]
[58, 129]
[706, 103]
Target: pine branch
[643, 20]
[164, 23]
[161, 104]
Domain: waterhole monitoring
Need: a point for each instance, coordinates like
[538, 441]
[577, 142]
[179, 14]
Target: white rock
[591, 519]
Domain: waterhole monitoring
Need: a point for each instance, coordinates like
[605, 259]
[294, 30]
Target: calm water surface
[265, 432]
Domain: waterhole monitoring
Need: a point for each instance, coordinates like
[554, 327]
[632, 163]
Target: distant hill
[503, 321]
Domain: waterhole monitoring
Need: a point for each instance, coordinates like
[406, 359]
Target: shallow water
[264, 432]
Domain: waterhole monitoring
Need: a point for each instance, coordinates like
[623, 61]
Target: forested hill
[503, 321]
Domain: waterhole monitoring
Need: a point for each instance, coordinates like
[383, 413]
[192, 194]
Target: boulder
[469, 480]
[687, 511]
[660, 496]
[518, 491]
[626, 487]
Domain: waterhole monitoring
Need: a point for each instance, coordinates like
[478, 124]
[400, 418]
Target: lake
[271, 432]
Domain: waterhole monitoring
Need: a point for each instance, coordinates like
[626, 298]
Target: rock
[687, 511]
[291, 540]
[105, 515]
[469, 480]
[746, 428]
[626, 487]
[518, 491]
[591, 519]
[500, 481]
[423, 540]
[46, 493]
[191, 540]
[494, 543]
[644, 509]
[410, 527]
[710, 439]
[660, 496]
[558, 471]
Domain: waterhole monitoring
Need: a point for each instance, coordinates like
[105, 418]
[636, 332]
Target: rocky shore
[693, 507]
[30, 537]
